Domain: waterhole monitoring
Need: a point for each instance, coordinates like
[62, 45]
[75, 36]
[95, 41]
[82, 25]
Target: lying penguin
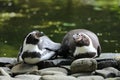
[80, 43]
[34, 48]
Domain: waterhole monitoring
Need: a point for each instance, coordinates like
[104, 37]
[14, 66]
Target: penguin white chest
[32, 60]
[84, 49]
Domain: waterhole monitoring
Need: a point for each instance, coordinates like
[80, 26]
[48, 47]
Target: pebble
[52, 73]
[58, 69]
[116, 78]
[23, 68]
[90, 78]
[28, 77]
[58, 77]
[81, 74]
[83, 65]
[3, 72]
[107, 72]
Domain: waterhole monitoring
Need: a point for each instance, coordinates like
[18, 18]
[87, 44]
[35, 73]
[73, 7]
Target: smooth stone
[109, 55]
[28, 77]
[3, 72]
[103, 63]
[118, 62]
[52, 73]
[57, 77]
[7, 70]
[58, 69]
[116, 78]
[67, 67]
[83, 65]
[4, 61]
[54, 63]
[90, 78]
[80, 74]
[23, 68]
[107, 72]
[5, 78]
[8, 78]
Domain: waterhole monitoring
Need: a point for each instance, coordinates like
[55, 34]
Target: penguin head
[81, 39]
[33, 37]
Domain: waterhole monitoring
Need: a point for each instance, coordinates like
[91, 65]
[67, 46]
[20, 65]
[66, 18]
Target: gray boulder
[5, 78]
[116, 78]
[23, 68]
[90, 78]
[109, 55]
[83, 65]
[4, 61]
[108, 72]
[3, 72]
[57, 69]
[81, 74]
[58, 77]
[54, 62]
[52, 73]
[27, 77]
[104, 63]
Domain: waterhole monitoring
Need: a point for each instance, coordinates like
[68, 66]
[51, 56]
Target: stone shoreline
[106, 67]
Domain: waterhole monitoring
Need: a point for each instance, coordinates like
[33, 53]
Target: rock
[109, 55]
[57, 77]
[3, 72]
[4, 61]
[54, 63]
[23, 68]
[107, 72]
[90, 78]
[118, 62]
[116, 78]
[52, 73]
[8, 78]
[5, 78]
[83, 65]
[27, 77]
[103, 63]
[7, 70]
[67, 67]
[81, 74]
[58, 69]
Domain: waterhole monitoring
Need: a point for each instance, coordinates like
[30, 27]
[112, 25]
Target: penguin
[32, 50]
[80, 43]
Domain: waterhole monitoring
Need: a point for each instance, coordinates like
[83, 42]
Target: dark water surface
[55, 18]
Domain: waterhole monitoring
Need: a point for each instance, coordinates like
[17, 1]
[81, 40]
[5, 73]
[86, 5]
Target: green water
[55, 18]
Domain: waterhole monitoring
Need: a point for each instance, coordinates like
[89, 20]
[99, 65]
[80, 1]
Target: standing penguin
[31, 52]
[80, 43]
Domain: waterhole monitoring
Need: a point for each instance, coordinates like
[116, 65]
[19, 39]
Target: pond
[55, 18]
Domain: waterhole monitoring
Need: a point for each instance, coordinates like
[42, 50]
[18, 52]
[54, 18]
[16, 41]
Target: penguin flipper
[19, 59]
[47, 43]
[98, 51]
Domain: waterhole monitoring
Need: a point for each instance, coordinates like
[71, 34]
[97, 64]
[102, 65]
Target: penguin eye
[37, 34]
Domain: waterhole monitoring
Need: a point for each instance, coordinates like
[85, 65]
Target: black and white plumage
[80, 43]
[33, 50]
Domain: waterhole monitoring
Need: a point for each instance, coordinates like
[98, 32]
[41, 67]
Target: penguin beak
[42, 34]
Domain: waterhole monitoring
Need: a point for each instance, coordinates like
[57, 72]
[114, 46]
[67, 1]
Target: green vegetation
[55, 18]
